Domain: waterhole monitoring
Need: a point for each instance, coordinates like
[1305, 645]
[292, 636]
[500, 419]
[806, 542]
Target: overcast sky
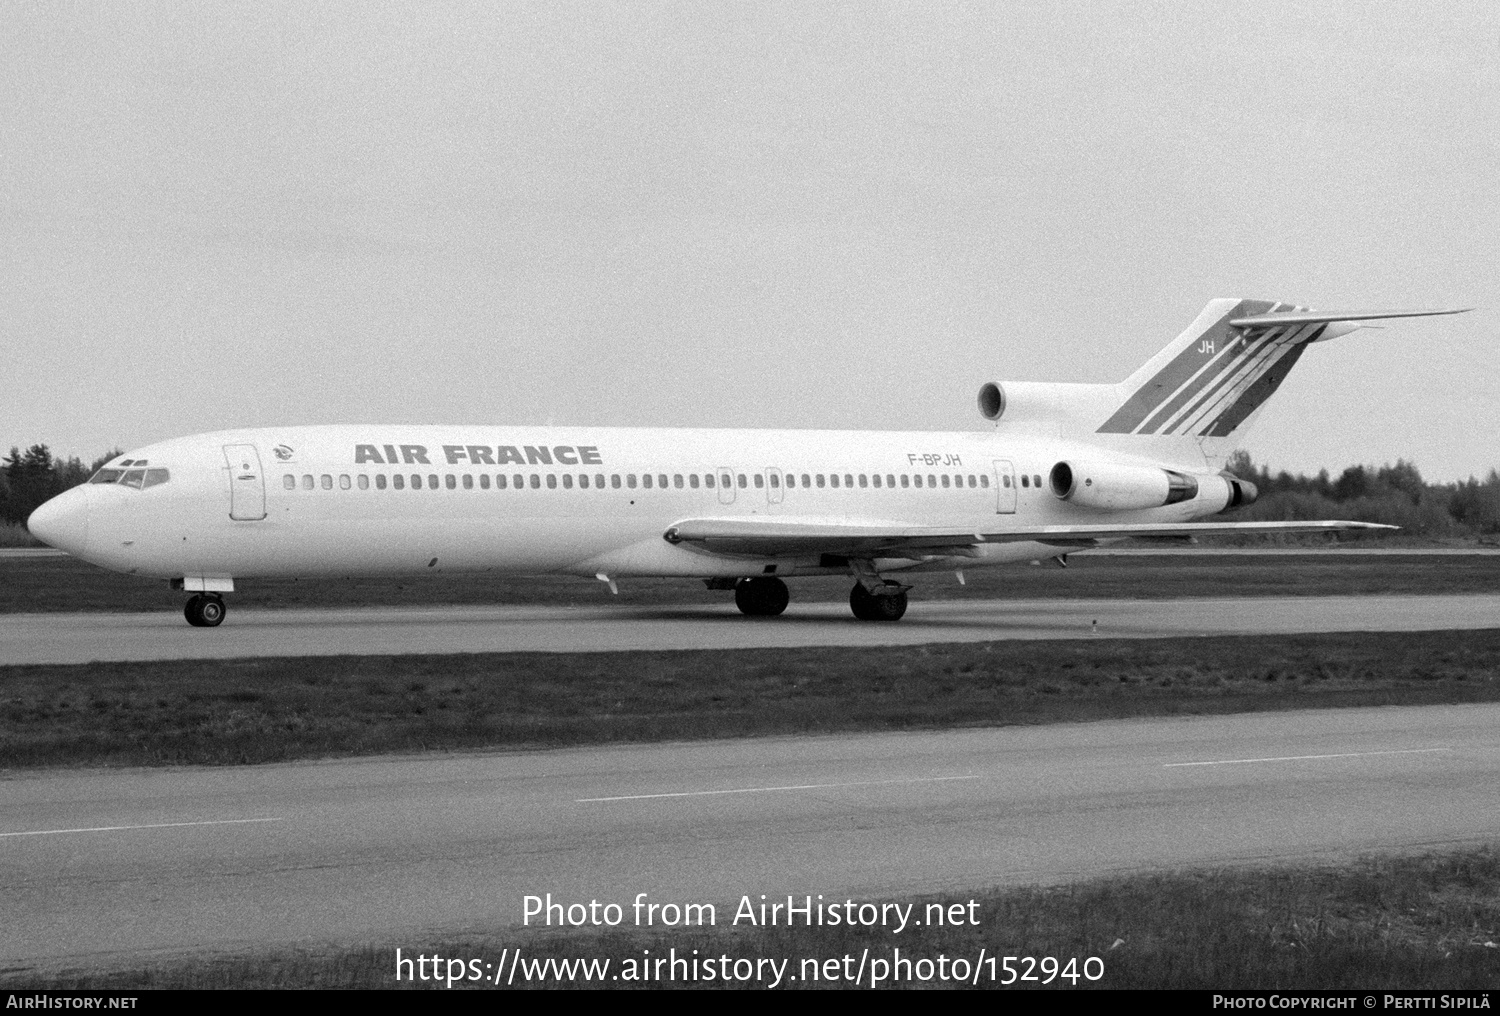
[743, 214]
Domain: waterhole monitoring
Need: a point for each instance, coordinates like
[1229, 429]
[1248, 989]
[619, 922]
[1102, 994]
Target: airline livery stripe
[1257, 393]
[1274, 361]
[1267, 352]
[1170, 378]
[1237, 353]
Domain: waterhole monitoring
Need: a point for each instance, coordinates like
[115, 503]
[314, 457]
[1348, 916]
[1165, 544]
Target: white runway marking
[1303, 758]
[154, 825]
[768, 790]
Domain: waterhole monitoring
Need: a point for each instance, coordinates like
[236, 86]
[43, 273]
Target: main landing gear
[886, 603]
[762, 597]
[204, 611]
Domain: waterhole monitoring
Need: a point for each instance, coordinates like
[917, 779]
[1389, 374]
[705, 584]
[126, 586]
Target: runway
[102, 868]
[85, 637]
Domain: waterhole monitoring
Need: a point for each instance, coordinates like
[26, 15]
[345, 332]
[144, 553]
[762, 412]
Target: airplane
[1060, 469]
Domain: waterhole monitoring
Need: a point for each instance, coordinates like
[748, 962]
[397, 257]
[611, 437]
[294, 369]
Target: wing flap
[774, 538]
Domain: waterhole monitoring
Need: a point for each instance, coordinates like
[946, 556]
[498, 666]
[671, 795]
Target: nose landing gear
[204, 611]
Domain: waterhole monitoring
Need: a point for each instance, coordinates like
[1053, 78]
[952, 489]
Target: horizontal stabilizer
[767, 538]
[1318, 317]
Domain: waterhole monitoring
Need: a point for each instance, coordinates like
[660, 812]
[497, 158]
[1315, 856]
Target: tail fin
[1209, 384]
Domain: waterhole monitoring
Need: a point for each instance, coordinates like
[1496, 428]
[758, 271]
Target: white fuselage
[305, 501]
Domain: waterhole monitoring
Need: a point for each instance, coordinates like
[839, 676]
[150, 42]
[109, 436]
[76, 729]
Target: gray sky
[740, 214]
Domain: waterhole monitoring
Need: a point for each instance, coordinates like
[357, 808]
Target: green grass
[275, 709]
[66, 584]
[1430, 922]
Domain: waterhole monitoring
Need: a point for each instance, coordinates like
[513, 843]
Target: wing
[774, 537]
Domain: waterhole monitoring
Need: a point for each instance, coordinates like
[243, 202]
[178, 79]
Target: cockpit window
[140, 479]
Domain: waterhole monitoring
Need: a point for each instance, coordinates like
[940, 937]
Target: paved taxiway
[104, 867]
[81, 638]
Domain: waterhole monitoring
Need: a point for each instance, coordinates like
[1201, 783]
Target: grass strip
[1402, 922]
[278, 709]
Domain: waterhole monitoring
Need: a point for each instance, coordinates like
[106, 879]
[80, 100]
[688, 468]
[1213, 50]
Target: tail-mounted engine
[1114, 487]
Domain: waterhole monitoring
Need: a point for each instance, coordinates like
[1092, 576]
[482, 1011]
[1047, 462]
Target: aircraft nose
[63, 522]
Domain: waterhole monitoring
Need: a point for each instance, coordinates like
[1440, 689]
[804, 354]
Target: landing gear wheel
[761, 597]
[868, 606]
[204, 611]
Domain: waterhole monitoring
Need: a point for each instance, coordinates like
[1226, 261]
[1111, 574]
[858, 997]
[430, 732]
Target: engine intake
[991, 401]
[1113, 487]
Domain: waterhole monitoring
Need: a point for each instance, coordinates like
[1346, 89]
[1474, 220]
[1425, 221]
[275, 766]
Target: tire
[190, 610]
[868, 606]
[211, 612]
[764, 597]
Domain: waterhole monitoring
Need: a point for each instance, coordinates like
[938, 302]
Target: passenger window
[646, 480]
[536, 481]
[1005, 479]
[325, 481]
[822, 481]
[432, 481]
[945, 480]
[775, 480]
[551, 481]
[1025, 480]
[693, 480]
[742, 481]
[905, 480]
[848, 479]
[567, 479]
[416, 481]
[307, 481]
[760, 482]
[890, 479]
[583, 481]
[484, 481]
[398, 482]
[917, 480]
[344, 482]
[791, 480]
[807, 480]
[599, 480]
[984, 479]
[661, 481]
[864, 481]
[364, 482]
[521, 481]
[468, 482]
[380, 481]
[501, 481]
[973, 481]
[288, 481]
[876, 478]
[677, 480]
[1037, 480]
[833, 479]
[630, 480]
[450, 481]
[614, 480]
[153, 477]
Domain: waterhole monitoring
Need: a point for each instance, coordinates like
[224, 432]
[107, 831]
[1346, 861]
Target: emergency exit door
[247, 484]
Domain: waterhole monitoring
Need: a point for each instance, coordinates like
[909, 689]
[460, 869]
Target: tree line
[28, 478]
[1394, 494]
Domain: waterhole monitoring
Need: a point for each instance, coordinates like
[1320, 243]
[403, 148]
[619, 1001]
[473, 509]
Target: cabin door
[247, 484]
[1005, 487]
